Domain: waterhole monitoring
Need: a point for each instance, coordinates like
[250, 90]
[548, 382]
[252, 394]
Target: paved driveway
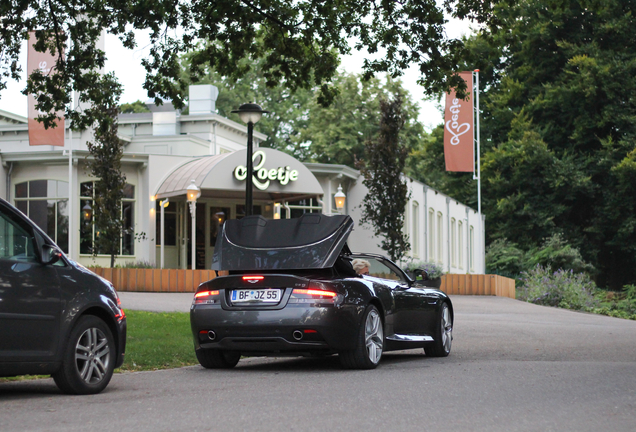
[514, 366]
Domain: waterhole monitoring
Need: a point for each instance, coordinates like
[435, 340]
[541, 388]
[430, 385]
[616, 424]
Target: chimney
[202, 99]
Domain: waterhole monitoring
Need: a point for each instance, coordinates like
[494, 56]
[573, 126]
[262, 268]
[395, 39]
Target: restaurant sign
[262, 176]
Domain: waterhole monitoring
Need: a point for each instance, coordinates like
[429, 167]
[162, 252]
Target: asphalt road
[514, 367]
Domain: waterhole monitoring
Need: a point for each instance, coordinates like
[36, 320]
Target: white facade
[158, 144]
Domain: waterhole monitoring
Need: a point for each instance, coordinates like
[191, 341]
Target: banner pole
[71, 213]
[478, 143]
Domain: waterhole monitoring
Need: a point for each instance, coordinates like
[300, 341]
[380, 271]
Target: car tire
[89, 358]
[441, 346]
[370, 343]
[217, 359]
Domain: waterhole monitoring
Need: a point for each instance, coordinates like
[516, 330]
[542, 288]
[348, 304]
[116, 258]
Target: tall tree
[337, 134]
[107, 151]
[300, 42]
[559, 129]
[383, 206]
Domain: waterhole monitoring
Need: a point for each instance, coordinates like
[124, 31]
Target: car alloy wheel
[447, 329]
[441, 345]
[370, 342]
[92, 355]
[374, 336]
[88, 359]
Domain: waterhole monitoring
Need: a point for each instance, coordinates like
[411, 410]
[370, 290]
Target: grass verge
[158, 340]
[155, 341]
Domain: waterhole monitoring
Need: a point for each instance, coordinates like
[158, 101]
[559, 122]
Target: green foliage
[158, 341]
[136, 264]
[558, 104]
[105, 165]
[337, 134]
[562, 288]
[300, 43]
[288, 110]
[505, 258]
[133, 108]
[434, 270]
[557, 253]
[298, 124]
[618, 305]
[383, 206]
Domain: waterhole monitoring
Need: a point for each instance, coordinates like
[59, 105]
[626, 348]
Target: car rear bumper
[325, 328]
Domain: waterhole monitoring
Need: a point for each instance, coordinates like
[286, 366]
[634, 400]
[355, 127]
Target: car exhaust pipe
[211, 335]
[298, 335]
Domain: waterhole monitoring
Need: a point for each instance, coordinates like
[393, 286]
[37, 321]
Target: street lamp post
[340, 198]
[193, 193]
[250, 113]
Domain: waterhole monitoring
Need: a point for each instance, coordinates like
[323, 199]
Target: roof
[312, 241]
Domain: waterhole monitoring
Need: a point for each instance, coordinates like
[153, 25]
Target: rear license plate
[256, 295]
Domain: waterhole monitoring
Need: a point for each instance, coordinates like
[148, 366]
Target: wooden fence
[465, 284]
[155, 280]
[172, 280]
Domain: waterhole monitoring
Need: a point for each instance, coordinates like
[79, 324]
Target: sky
[127, 67]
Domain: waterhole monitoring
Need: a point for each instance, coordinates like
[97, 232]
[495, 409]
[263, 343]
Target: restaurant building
[166, 151]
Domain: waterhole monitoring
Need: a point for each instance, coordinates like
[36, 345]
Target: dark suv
[56, 316]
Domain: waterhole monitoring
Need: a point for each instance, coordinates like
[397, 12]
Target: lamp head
[340, 198]
[250, 113]
[193, 192]
[87, 212]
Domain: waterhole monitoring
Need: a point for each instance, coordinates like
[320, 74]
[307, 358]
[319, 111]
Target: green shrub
[505, 258]
[557, 253]
[136, 264]
[562, 288]
[619, 305]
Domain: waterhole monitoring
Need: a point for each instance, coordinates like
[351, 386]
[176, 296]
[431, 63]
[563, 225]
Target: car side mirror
[50, 254]
[420, 274]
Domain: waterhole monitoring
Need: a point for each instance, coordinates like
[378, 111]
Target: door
[29, 294]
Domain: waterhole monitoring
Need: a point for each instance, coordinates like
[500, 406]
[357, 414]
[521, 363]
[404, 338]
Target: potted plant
[425, 273]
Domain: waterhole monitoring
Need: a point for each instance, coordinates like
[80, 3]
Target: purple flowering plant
[434, 270]
[560, 288]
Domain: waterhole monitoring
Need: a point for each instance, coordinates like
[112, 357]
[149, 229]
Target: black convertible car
[292, 290]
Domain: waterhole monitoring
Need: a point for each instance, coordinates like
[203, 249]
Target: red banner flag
[45, 62]
[458, 130]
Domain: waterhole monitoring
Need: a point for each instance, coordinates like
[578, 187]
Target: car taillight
[253, 278]
[206, 297]
[314, 296]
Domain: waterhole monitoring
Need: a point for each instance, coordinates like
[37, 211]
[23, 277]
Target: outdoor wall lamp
[340, 198]
[87, 212]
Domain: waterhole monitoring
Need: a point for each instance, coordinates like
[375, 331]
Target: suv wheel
[88, 359]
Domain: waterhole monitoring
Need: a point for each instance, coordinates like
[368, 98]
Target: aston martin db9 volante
[292, 290]
[56, 317]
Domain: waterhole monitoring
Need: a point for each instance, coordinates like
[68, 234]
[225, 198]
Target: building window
[460, 244]
[431, 234]
[440, 237]
[415, 235]
[45, 202]
[453, 242]
[88, 230]
[300, 207]
[471, 249]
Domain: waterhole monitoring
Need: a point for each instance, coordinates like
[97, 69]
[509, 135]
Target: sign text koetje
[262, 176]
